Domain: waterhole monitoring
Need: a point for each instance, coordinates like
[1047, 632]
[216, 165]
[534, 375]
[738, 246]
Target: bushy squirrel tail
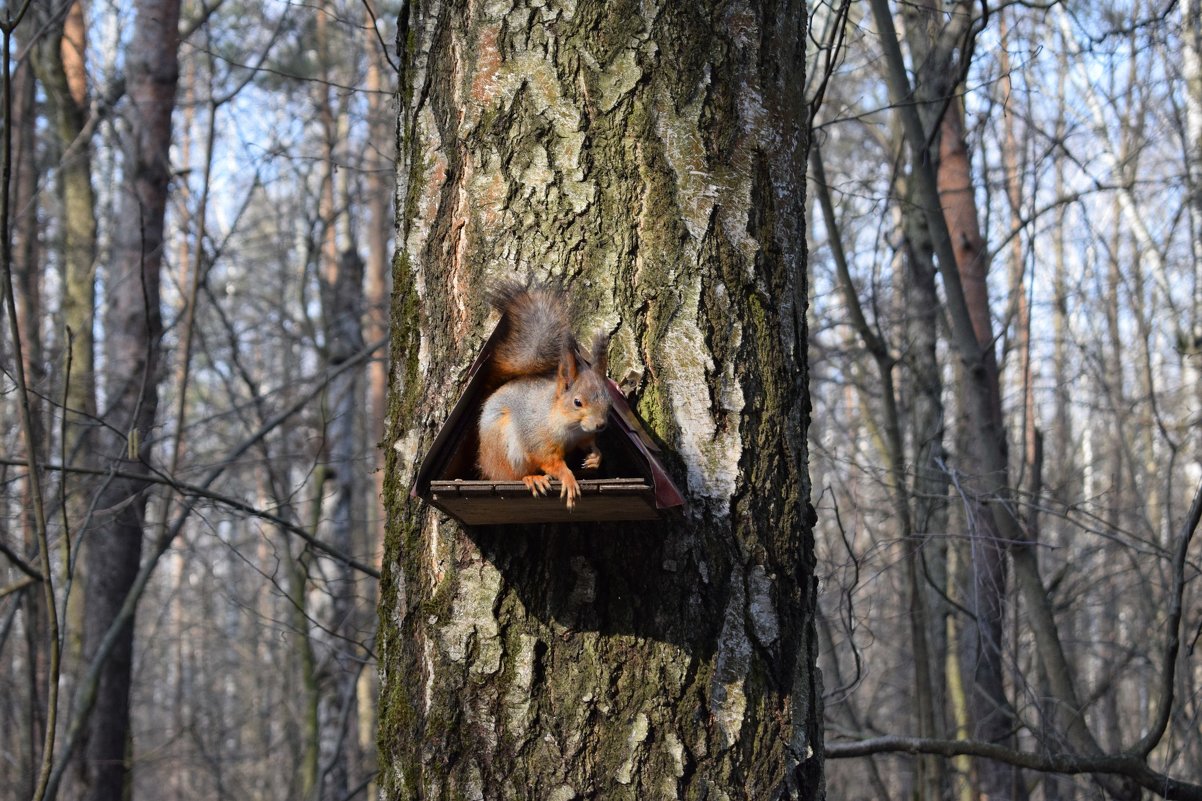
[535, 331]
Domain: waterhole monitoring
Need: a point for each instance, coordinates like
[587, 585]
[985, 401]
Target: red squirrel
[548, 404]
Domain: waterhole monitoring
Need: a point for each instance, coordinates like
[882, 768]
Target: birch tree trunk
[654, 159]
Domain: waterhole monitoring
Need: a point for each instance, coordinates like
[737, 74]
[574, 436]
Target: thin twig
[35, 482]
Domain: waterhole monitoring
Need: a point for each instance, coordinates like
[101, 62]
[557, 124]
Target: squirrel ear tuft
[600, 354]
[568, 368]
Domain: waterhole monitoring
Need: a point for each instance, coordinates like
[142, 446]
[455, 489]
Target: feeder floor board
[477, 503]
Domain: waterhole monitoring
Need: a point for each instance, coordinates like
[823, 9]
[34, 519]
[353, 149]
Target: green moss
[405, 344]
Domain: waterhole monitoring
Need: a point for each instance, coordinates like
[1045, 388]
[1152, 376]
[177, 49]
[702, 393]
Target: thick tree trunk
[656, 162]
[133, 327]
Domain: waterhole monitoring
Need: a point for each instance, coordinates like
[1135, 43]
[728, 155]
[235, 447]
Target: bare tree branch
[1124, 766]
[1172, 644]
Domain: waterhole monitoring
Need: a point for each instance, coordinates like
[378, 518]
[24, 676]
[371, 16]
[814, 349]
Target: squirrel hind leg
[500, 457]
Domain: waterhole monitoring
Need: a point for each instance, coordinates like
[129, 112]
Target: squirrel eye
[578, 402]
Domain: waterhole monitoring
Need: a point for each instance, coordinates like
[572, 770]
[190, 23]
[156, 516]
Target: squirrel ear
[600, 354]
[567, 365]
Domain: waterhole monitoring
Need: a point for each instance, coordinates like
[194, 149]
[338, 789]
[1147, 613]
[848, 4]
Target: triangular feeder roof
[633, 484]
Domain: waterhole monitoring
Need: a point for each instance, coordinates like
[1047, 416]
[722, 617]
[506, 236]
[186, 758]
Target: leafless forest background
[1005, 543]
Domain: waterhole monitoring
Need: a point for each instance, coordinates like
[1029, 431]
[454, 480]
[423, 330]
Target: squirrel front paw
[569, 489]
[592, 461]
[538, 485]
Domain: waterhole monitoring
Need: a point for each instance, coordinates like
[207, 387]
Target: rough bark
[133, 328]
[655, 160]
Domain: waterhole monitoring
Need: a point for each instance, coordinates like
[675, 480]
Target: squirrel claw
[570, 490]
[538, 485]
[592, 461]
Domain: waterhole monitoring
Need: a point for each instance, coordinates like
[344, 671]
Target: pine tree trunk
[655, 162]
[982, 657]
[133, 328]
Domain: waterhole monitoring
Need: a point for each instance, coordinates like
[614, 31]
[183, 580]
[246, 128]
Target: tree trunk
[61, 63]
[379, 186]
[30, 739]
[934, 44]
[930, 483]
[1191, 35]
[343, 302]
[133, 327]
[982, 661]
[655, 163]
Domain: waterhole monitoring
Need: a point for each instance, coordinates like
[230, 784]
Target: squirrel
[547, 404]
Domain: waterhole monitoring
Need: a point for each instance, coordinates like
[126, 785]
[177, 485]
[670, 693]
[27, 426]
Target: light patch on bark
[712, 456]
[638, 735]
[675, 749]
[406, 446]
[564, 792]
[433, 169]
[472, 628]
[696, 190]
[497, 10]
[517, 698]
[428, 667]
[473, 786]
[763, 611]
[619, 79]
[537, 173]
[728, 702]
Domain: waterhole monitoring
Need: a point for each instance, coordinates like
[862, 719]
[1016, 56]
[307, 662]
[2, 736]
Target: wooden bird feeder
[630, 485]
